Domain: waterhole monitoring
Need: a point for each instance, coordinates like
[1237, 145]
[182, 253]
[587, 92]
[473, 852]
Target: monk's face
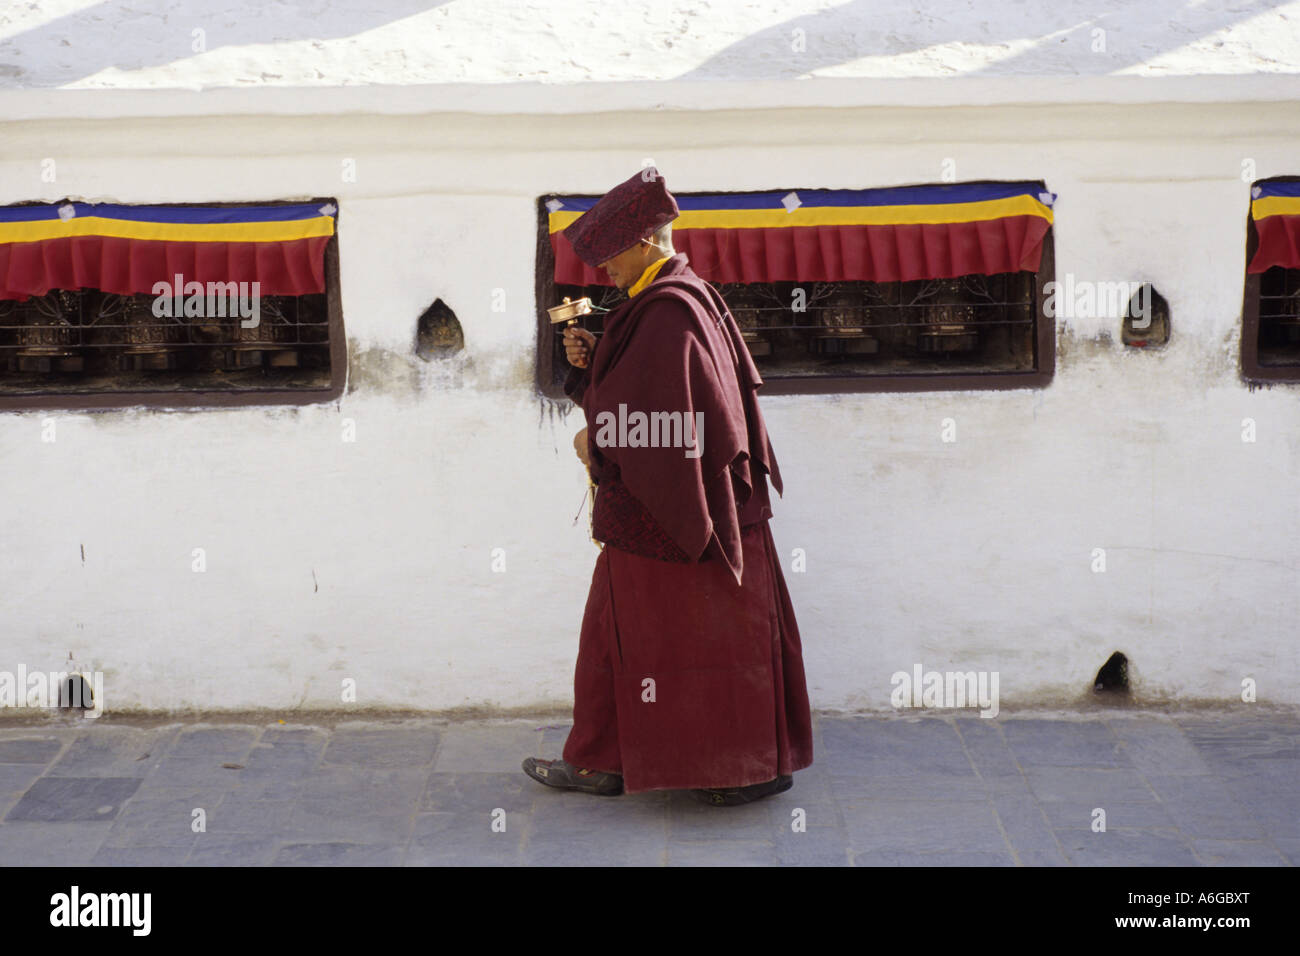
[626, 267]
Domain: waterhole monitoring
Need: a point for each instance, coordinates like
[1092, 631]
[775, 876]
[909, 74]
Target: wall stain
[379, 371]
[553, 411]
[1072, 348]
[382, 371]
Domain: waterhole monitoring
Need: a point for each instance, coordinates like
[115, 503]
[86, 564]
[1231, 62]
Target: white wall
[371, 560]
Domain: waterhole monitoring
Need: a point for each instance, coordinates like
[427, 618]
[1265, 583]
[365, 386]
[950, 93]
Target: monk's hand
[580, 446]
[578, 345]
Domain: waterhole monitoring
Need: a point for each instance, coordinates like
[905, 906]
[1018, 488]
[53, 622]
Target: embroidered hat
[625, 215]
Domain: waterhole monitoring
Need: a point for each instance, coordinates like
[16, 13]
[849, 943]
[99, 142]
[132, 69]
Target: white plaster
[967, 556]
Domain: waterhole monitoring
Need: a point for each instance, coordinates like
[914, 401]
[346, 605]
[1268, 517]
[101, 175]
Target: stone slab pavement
[1177, 789]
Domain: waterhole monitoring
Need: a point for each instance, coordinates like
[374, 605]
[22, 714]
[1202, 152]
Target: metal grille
[1279, 317]
[971, 324]
[77, 340]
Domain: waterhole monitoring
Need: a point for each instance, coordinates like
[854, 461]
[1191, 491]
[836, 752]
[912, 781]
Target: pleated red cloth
[888, 253]
[132, 266]
[1279, 244]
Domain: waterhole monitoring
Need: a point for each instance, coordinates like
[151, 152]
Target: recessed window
[909, 288]
[107, 305]
[1270, 335]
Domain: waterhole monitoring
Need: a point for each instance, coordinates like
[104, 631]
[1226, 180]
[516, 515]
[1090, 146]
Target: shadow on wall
[72, 47]
[1060, 34]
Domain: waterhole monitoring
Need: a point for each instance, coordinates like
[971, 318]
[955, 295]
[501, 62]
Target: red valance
[839, 253]
[133, 266]
[1279, 244]
[1275, 208]
[128, 250]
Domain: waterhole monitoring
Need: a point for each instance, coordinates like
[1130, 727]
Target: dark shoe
[735, 796]
[565, 776]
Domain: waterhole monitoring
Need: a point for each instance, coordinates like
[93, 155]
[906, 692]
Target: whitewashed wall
[371, 560]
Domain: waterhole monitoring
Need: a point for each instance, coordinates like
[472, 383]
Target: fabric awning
[1275, 207]
[837, 235]
[127, 249]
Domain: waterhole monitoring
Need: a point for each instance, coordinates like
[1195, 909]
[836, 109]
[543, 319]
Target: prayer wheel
[950, 324]
[746, 307]
[48, 333]
[269, 341]
[143, 341]
[843, 321]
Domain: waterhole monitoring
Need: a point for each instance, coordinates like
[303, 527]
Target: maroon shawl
[676, 348]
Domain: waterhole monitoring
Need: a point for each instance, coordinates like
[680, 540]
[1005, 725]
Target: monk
[690, 670]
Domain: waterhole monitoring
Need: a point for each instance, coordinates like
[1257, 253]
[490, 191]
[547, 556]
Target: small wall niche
[1112, 679]
[75, 693]
[1146, 320]
[438, 333]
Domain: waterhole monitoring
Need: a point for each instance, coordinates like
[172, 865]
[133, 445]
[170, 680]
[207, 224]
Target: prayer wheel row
[52, 332]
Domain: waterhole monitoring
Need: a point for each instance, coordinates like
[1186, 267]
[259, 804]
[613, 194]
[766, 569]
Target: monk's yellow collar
[647, 277]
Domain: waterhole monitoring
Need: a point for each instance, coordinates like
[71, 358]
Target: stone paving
[1188, 788]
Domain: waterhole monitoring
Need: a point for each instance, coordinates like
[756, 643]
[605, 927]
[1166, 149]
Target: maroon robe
[688, 602]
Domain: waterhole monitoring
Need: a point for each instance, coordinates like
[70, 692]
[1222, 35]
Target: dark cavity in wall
[1113, 676]
[1146, 321]
[75, 693]
[438, 333]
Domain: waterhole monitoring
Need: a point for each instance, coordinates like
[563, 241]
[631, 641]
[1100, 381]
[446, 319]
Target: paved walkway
[1189, 788]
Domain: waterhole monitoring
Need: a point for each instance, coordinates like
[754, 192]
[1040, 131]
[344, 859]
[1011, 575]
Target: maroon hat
[625, 215]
